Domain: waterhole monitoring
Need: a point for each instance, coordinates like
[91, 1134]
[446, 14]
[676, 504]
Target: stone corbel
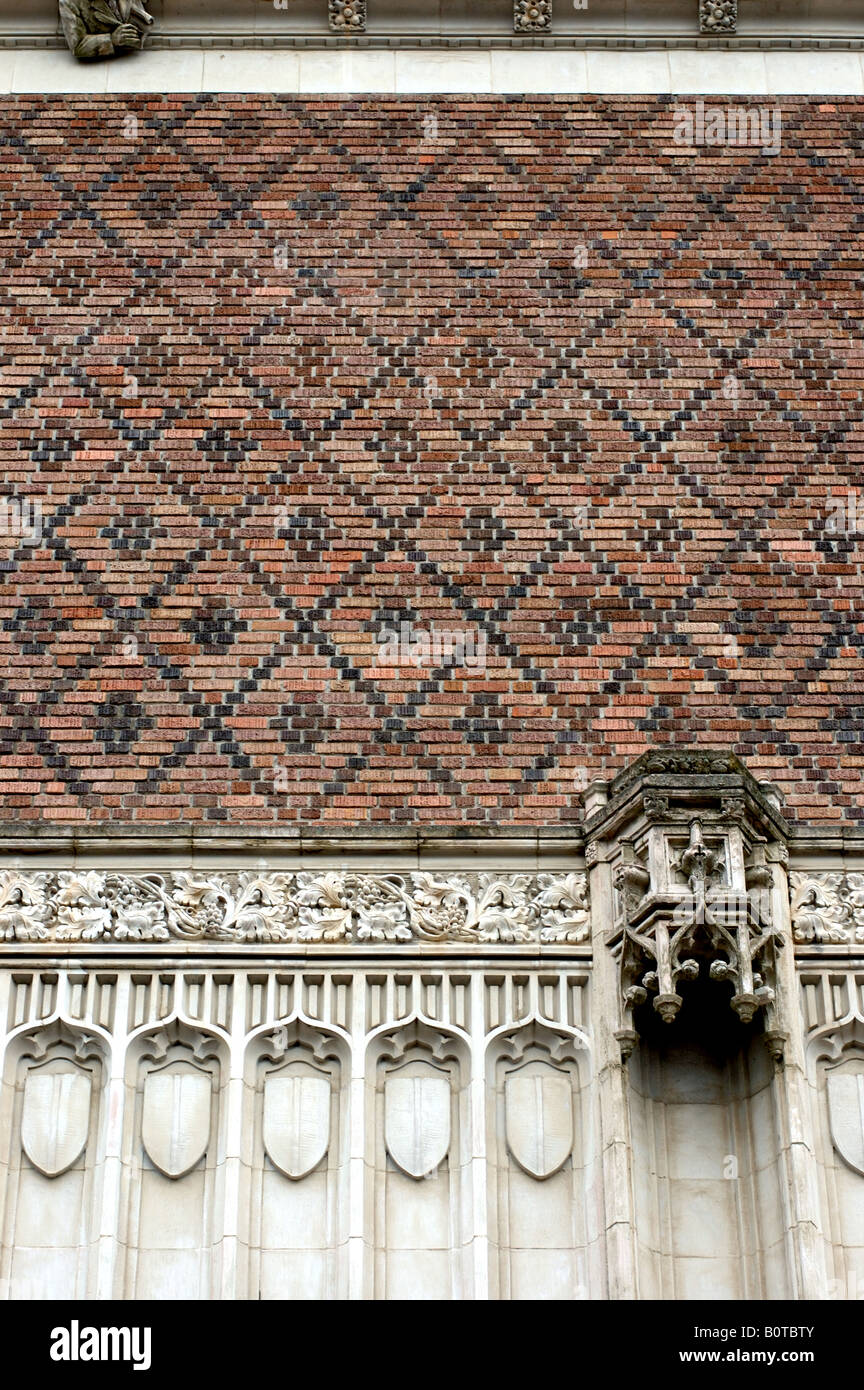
[688, 836]
[724, 928]
[718, 16]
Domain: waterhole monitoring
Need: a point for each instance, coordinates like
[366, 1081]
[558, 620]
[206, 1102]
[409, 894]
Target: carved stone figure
[102, 28]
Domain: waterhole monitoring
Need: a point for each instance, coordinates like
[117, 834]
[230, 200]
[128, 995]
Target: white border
[773, 72]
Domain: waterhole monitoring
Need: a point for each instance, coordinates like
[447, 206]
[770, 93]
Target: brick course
[285, 373]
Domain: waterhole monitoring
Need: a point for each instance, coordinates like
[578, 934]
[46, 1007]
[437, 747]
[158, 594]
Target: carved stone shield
[296, 1122]
[417, 1122]
[846, 1112]
[175, 1127]
[539, 1122]
[55, 1119]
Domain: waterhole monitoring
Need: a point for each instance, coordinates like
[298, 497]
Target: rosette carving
[718, 16]
[532, 16]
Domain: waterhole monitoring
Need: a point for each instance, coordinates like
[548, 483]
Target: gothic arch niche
[707, 1154]
[174, 1075]
[836, 1058]
[420, 1130]
[543, 1211]
[297, 1169]
[56, 1077]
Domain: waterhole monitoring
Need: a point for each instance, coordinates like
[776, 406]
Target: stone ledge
[414, 69]
[807, 842]
[230, 39]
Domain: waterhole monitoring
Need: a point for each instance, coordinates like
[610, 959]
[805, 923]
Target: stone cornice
[23, 838]
[232, 39]
[679, 781]
[820, 847]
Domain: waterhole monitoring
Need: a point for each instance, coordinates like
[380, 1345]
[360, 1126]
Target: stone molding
[280, 22]
[140, 838]
[229, 39]
[253, 907]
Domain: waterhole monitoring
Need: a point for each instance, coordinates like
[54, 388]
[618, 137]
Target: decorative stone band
[827, 907]
[354, 906]
[248, 907]
[115, 26]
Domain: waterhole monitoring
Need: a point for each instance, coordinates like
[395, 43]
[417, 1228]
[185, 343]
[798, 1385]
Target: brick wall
[284, 374]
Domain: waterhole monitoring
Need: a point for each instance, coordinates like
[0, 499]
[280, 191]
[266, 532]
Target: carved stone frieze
[270, 907]
[827, 907]
[682, 762]
[718, 16]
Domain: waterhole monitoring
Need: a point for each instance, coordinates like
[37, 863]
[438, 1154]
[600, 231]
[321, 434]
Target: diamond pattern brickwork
[284, 373]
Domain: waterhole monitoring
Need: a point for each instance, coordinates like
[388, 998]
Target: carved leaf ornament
[253, 907]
